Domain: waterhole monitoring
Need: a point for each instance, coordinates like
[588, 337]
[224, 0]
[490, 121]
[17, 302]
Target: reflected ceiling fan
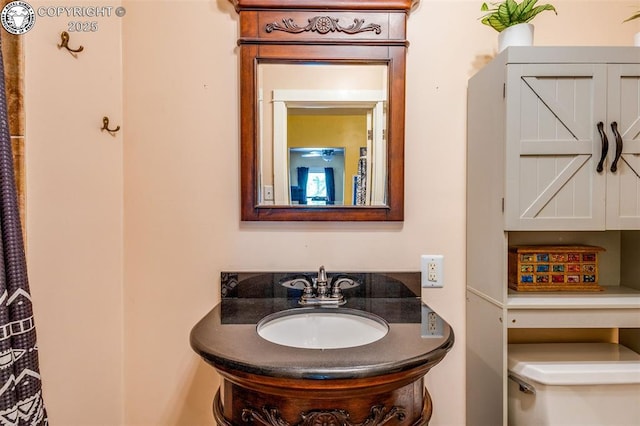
[326, 154]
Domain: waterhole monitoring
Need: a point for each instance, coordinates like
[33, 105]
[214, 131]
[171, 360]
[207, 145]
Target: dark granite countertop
[227, 338]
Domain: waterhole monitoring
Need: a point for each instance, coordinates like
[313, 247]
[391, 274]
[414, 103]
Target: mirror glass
[322, 134]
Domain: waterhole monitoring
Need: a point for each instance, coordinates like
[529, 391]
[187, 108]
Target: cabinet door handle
[614, 165]
[605, 147]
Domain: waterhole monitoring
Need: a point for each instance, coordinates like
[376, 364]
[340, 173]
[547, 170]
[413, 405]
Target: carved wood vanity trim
[270, 416]
[398, 398]
[323, 25]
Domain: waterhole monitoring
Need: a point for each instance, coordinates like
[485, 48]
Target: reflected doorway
[352, 119]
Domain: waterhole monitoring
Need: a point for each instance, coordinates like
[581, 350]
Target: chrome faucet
[319, 292]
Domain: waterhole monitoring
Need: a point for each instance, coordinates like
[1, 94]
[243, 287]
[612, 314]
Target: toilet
[567, 384]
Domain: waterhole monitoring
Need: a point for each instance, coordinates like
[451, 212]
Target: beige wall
[74, 220]
[128, 235]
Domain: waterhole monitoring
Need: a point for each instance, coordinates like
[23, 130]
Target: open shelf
[610, 298]
[613, 307]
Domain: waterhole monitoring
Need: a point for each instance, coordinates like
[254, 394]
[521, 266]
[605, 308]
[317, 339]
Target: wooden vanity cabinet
[391, 399]
[534, 147]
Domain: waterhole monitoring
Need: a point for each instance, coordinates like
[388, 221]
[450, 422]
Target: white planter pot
[636, 40]
[516, 35]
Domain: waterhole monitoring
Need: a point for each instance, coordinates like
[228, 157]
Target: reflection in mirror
[310, 114]
[317, 176]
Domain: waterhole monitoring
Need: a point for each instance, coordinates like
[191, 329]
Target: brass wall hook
[105, 126]
[64, 37]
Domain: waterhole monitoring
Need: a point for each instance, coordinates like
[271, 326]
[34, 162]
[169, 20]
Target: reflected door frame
[376, 152]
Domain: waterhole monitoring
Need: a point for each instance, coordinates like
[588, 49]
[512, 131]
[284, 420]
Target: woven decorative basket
[554, 268]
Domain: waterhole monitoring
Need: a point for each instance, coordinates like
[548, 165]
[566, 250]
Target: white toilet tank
[567, 384]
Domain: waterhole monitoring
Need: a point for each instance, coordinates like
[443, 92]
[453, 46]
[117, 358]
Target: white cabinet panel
[623, 184]
[553, 146]
[486, 361]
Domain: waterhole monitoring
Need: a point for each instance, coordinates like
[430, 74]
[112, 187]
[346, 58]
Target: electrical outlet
[432, 269]
[432, 272]
[431, 324]
[268, 193]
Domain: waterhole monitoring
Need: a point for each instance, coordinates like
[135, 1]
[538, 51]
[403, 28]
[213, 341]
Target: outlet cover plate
[432, 270]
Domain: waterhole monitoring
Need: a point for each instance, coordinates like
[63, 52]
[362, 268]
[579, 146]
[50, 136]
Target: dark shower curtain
[21, 402]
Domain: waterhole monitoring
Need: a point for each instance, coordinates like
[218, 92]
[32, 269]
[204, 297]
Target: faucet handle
[298, 281]
[336, 291]
[344, 280]
[322, 275]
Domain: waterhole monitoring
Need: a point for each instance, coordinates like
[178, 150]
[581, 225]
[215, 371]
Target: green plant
[632, 17]
[509, 12]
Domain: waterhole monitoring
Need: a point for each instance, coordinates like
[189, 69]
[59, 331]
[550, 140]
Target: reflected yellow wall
[274, 76]
[339, 131]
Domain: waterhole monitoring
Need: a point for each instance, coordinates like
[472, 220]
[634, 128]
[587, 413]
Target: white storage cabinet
[571, 142]
[537, 122]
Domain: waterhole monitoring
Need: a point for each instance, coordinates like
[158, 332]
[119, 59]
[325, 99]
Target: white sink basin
[316, 328]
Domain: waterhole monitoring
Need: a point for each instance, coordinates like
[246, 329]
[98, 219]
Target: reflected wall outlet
[432, 269]
[431, 324]
[268, 193]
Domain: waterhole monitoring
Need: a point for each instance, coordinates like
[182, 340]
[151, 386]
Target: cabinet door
[623, 183]
[553, 147]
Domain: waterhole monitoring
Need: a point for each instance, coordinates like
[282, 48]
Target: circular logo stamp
[17, 17]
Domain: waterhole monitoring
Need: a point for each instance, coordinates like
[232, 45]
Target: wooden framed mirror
[322, 97]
